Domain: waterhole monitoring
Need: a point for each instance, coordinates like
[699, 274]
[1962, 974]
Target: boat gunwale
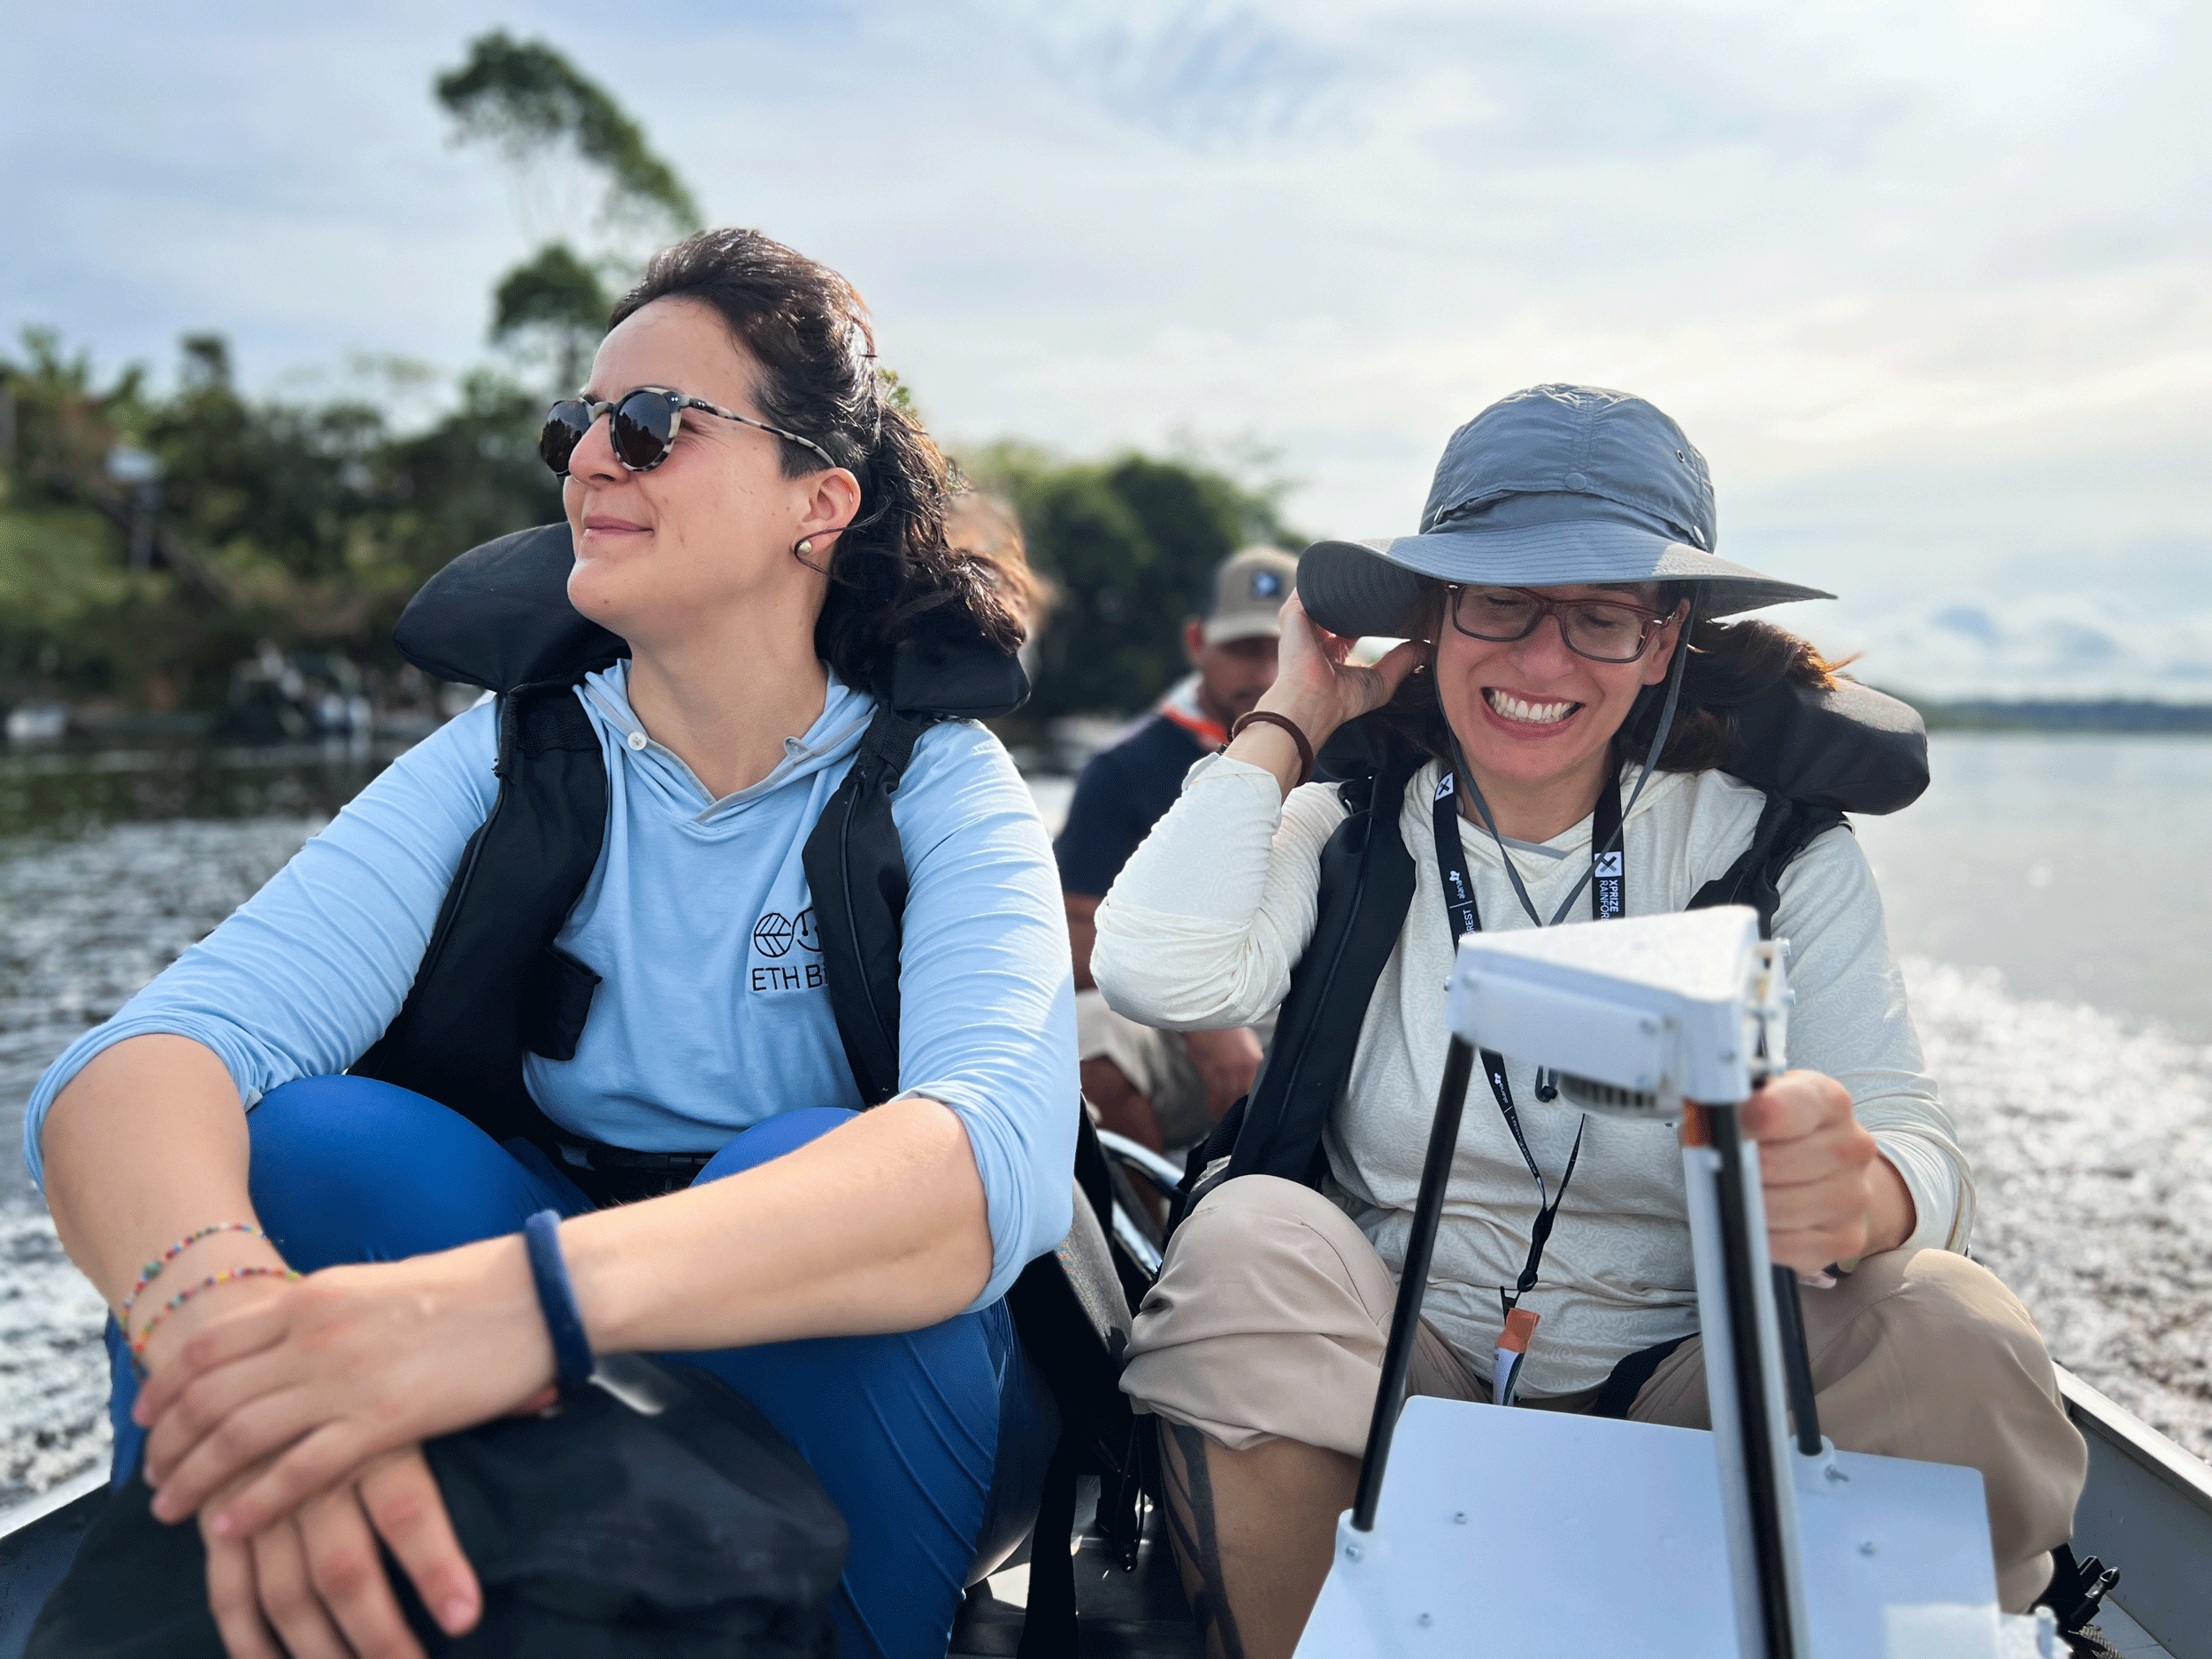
[2156, 1453]
[31, 1512]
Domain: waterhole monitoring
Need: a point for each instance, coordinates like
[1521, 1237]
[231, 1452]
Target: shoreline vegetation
[2106, 716]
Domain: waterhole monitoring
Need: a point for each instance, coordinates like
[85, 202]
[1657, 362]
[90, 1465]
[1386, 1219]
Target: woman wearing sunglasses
[762, 527]
[1565, 554]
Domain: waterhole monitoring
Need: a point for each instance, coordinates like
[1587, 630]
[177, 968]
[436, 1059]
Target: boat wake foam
[2091, 1137]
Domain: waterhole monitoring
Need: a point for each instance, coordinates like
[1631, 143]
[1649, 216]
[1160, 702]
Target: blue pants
[906, 1430]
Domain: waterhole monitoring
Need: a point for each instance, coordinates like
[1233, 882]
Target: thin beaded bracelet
[152, 1270]
[153, 1323]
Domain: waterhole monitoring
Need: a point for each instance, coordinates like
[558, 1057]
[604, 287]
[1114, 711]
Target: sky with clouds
[1930, 283]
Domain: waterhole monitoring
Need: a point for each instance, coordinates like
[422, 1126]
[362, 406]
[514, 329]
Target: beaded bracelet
[153, 1324]
[152, 1270]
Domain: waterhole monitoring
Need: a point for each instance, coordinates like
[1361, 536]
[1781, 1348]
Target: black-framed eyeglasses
[1603, 630]
[643, 429]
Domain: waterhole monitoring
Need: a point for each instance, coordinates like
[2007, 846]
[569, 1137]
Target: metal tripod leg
[1741, 1319]
[1428, 1210]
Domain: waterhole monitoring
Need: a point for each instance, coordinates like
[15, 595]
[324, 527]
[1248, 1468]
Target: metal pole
[1797, 1360]
[1768, 1551]
[1413, 1282]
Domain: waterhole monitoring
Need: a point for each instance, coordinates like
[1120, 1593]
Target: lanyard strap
[1609, 897]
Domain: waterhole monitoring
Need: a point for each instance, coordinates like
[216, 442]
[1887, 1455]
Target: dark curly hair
[893, 574]
[1730, 664]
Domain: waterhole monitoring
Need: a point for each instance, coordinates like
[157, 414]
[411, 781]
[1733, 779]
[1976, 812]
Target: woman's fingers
[232, 1601]
[1843, 1150]
[408, 1512]
[288, 1601]
[1814, 1158]
[262, 1427]
[1809, 1227]
[1793, 1105]
[1390, 671]
[306, 1469]
[318, 1582]
[348, 1576]
[222, 1341]
[210, 1400]
[1816, 1252]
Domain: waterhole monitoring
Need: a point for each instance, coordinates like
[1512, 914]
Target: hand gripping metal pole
[1413, 1282]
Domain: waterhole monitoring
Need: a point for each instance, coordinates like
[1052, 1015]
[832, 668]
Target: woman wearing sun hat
[1565, 551]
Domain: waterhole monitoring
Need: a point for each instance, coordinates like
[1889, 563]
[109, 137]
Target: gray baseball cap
[1246, 600]
[1551, 486]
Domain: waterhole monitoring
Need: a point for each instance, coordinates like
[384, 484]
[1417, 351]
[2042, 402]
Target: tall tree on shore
[554, 126]
[1130, 543]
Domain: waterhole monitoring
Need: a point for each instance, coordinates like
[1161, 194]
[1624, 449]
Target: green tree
[525, 98]
[556, 302]
[307, 525]
[1130, 543]
[540, 113]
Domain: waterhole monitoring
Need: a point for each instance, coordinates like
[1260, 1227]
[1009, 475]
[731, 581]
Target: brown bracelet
[1268, 717]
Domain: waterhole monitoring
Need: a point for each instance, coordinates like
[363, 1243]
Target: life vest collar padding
[965, 679]
[1848, 748]
[499, 617]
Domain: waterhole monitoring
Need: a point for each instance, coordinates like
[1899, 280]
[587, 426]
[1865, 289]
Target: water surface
[2080, 867]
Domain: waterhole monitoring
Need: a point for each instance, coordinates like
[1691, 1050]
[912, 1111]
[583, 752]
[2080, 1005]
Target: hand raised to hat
[1317, 689]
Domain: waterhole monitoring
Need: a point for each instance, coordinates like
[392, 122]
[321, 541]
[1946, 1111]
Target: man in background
[1166, 1090]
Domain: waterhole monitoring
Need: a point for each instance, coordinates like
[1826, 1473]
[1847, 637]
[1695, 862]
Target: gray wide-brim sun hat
[1551, 486]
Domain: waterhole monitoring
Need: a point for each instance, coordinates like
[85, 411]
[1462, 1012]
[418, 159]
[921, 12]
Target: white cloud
[1927, 281]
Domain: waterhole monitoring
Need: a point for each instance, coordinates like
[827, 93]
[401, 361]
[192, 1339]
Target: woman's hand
[312, 1585]
[344, 1365]
[1226, 1062]
[1831, 1196]
[1318, 690]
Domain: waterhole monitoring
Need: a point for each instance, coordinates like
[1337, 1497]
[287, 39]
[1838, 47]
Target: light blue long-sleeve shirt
[712, 1014]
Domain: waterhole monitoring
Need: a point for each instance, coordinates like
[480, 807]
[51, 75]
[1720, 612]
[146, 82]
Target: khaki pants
[1271, 1313]
[1156, 1064]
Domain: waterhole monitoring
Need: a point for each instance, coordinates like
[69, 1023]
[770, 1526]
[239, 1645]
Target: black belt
[618, 1175]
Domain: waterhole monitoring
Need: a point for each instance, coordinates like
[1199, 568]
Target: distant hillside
[2110, 714]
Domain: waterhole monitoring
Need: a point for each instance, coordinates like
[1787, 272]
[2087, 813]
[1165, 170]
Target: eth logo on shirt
[773, 936]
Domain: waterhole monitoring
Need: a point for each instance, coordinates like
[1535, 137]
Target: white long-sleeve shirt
[1210, 915]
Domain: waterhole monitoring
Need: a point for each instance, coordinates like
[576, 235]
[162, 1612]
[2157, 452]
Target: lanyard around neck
[1609, 899]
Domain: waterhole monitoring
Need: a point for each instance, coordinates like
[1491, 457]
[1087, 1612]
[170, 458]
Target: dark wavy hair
[893, 574]
[1730, 664]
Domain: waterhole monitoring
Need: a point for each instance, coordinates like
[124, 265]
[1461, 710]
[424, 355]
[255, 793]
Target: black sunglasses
[642, 430]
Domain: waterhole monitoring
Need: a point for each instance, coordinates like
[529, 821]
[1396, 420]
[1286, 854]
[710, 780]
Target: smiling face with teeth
[1536, 720]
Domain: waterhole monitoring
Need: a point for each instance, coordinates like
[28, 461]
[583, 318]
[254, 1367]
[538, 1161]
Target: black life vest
[493, 987]
[1817, 754]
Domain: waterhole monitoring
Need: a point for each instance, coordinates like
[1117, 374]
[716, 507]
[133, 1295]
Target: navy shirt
[1119, 795]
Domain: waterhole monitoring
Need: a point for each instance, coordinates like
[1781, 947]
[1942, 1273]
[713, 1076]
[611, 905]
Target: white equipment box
[1540, 1534]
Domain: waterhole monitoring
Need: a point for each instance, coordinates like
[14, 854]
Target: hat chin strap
[1675, 672]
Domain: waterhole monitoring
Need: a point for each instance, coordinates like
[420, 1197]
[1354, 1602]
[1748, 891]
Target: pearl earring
[804, 547]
